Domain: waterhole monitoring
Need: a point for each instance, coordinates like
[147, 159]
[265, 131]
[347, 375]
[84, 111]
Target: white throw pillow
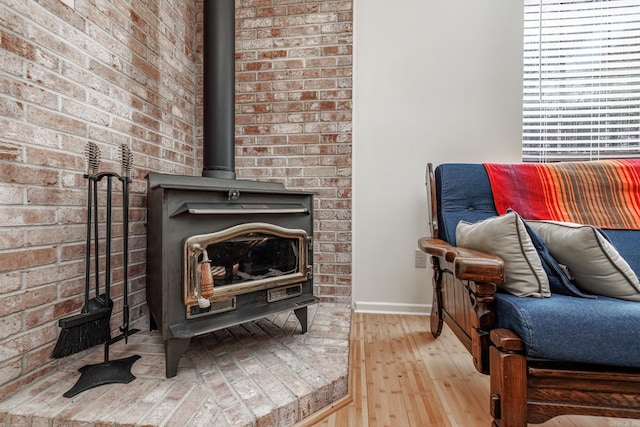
[507, 237]
[593, 261]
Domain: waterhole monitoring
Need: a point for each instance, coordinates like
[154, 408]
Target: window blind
[581, 98]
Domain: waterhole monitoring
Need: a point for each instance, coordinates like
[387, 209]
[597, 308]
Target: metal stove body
[258, 239]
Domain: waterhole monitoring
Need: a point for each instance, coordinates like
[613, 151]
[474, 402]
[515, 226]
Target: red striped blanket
[604, 193]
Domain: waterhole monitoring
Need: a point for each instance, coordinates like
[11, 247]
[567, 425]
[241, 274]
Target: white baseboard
[391, 308]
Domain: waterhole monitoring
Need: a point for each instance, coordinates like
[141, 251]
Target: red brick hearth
[262, 373]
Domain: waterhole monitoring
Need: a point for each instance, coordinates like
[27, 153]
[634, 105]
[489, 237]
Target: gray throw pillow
[593, 261]
[507, 237]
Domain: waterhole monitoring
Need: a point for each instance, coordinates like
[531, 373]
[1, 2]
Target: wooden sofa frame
[522, 390]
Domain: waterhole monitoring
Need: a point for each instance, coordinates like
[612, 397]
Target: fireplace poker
[91, 326]
[126, 160]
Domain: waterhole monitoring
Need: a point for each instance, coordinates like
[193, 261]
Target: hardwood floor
[402, 376]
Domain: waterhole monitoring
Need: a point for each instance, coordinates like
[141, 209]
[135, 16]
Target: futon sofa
[534, 270]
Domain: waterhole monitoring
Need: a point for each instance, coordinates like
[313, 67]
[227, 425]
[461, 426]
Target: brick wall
[293, 116]
[121, 72]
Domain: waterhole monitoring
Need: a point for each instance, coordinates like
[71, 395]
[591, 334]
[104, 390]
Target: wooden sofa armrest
[464, 284]
[469, 264]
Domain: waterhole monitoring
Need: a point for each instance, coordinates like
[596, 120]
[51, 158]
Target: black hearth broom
[91, 326]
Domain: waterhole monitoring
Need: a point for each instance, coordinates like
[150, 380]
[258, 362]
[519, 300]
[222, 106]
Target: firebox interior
[243, 258]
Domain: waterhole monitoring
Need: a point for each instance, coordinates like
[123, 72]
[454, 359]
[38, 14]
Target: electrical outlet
[421, 259]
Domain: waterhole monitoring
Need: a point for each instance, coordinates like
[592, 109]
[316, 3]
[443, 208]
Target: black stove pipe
[219, 94]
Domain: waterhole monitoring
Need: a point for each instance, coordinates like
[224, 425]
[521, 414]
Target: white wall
[434, 81]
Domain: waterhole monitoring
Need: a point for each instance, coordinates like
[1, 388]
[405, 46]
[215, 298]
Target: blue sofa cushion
[627, 243]
[601, 331]
[463, 193]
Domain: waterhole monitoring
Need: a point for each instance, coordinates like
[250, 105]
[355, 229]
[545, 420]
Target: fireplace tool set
[91, 326]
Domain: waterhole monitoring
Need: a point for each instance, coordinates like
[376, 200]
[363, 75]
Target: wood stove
[258, 239]
[223, 251]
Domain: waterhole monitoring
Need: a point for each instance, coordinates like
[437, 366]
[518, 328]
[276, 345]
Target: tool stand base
[114, 371]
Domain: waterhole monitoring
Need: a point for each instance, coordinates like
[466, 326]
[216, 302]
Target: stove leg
[174, 348]
[153, 326]
[301, 314]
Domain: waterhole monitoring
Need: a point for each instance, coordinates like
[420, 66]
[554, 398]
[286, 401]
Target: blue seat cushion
[600, 331]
